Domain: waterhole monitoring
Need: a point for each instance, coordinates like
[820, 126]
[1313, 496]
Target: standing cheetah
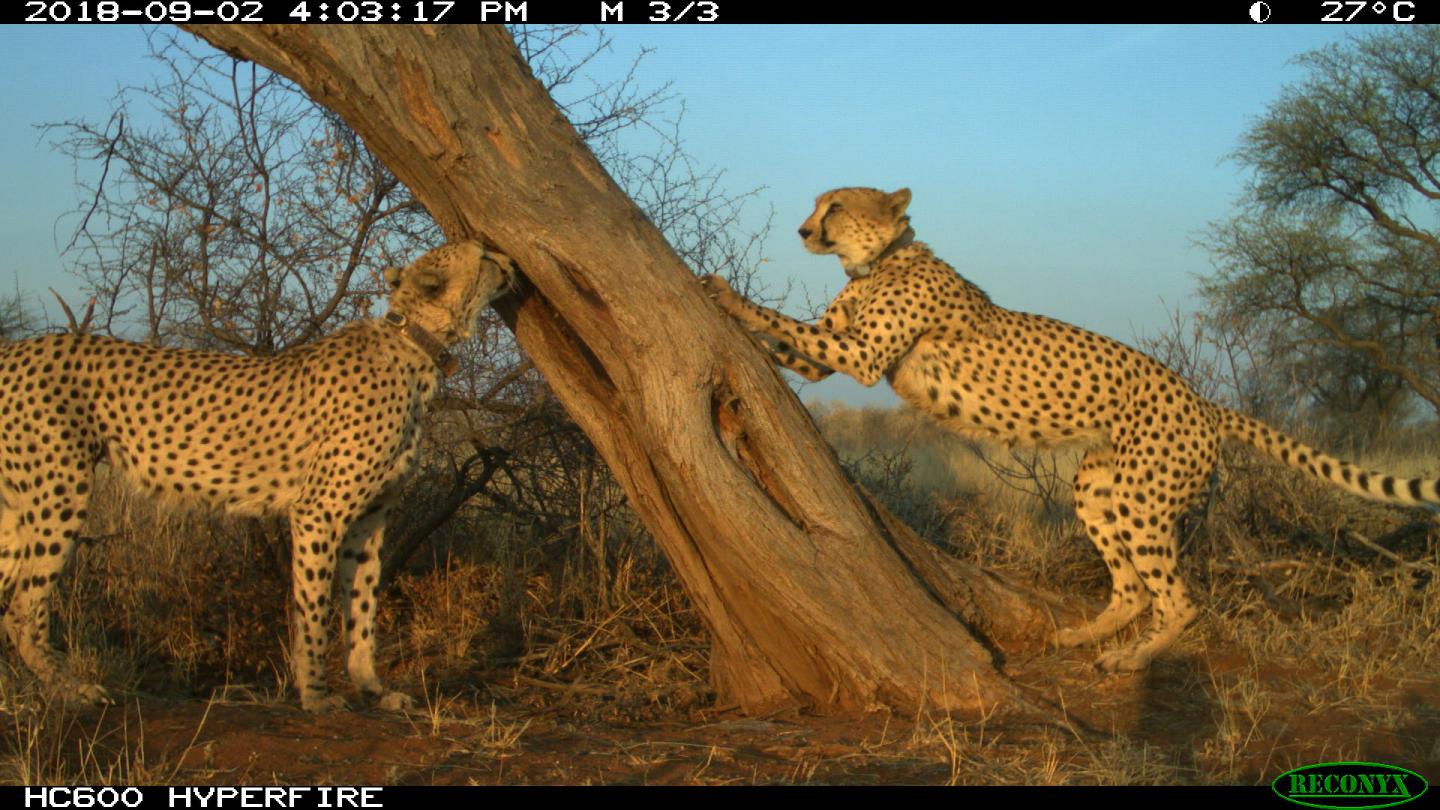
[323, 433]
[990, 372]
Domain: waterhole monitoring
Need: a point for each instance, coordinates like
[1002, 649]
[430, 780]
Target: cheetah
[323, 433]
[984, 371]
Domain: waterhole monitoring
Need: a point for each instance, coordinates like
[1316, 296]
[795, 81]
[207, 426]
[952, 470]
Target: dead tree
[813, 594]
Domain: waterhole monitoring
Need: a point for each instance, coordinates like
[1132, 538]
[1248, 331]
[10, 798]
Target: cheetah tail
[1343, 474]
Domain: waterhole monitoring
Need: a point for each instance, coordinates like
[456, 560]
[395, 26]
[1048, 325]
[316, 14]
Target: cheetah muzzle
[323, 433]
[989, 372]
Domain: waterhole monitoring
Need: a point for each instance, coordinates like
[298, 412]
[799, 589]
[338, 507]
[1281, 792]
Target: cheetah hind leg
[1171, 608]
[1094, 505]
[1138, 656]
[1172, 616]
[26, 583]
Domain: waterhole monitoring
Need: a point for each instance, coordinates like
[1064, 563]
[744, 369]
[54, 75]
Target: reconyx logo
[1349, 785]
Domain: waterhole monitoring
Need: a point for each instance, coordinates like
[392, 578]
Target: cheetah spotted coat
[986, 371]
[322, 433]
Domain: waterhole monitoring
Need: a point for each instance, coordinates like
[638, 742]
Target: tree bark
[813, 595]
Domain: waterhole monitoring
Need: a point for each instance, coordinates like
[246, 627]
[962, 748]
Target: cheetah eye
[834, 206]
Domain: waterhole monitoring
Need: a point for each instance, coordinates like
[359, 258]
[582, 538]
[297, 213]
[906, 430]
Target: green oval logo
[1349, 785]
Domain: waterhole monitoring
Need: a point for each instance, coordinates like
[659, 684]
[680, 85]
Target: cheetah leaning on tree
[986, 371]
[324, 433]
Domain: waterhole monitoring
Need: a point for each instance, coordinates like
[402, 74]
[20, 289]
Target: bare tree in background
[245, 219]
[1333, 264]
[17, 320]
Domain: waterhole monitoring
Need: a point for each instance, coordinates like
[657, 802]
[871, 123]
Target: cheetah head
[857, 225]
[444, 290]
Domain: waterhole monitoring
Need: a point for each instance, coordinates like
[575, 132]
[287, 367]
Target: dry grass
[532, 640]
[51, 745]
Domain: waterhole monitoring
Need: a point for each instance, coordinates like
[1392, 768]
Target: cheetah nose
[805, 233]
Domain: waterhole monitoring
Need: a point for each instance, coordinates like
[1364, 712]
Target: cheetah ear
[428, 281]
[391, 276]
[505, 263]
[898, 201]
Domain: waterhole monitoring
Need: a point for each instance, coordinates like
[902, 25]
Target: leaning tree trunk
[812, 594]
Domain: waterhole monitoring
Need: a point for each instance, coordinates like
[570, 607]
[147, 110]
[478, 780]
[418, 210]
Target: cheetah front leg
[781, 353]
[313, 537]
[836, 318]
[357, 575]
[787, 357]
[826, 348]
[35, 546]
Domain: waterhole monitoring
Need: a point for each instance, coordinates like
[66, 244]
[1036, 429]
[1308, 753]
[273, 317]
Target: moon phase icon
[1259, 11]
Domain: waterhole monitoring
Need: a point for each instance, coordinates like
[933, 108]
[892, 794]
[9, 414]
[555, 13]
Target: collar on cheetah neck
[427, 342]
[862, 270]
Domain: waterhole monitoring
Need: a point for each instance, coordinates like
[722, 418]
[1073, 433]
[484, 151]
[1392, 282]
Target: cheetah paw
[1122, 660]
[321, 703]
[719, 291]
[397, 702]
[715, 285]
[88, 694]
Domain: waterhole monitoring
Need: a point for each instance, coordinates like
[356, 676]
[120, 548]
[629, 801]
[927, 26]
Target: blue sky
[1066, 170]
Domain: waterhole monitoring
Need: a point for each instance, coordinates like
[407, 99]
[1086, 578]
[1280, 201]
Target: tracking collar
[901, 241]
[427, 342]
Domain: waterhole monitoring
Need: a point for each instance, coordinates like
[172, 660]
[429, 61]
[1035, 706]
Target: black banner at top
[716, 12]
